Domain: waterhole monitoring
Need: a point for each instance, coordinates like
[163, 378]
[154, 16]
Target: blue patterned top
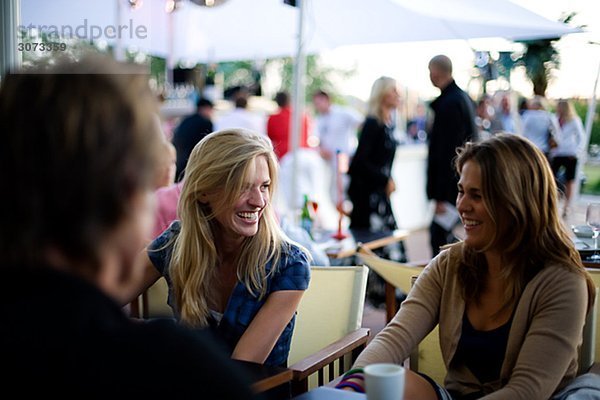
[292, 273]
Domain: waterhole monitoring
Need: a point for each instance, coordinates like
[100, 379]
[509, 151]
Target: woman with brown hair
[510, 299]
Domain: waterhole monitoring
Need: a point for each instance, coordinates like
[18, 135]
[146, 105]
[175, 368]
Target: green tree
[248, 73]
[541, 58]
[75, 48]
[72, 49]
[581, 106]
[158, 67]
[318, 76]
[238, 73]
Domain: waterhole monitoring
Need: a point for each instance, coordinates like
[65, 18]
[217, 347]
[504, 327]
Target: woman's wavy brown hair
[520, 195]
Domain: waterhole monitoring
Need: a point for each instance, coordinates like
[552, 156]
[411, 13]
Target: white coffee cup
[384, 381]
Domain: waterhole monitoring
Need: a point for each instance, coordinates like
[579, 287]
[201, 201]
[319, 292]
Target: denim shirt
[292, 273]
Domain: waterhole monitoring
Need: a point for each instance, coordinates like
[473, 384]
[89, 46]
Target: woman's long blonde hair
[565, 110]
[520, 195]
[219, 164]
[378, 91]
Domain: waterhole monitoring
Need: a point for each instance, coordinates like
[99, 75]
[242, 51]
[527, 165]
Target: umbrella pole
[298, 104]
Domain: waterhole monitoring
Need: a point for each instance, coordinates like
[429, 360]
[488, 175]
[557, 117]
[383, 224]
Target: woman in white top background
[570, 140]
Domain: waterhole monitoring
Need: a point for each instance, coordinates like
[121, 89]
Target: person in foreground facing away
[227, 263]
[510, 299]
[80, 157]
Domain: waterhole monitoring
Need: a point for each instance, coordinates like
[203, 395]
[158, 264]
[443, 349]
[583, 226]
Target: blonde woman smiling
[227, 262]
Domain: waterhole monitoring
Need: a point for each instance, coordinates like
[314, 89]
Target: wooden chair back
[328, 325]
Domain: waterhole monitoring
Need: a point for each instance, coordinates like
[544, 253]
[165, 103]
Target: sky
[407, 63]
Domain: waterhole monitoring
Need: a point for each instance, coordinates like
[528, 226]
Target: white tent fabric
[258, 29]
[243, 29]
[339, 22]
[236, 30]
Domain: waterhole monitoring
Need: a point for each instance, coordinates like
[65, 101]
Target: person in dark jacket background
[190, 131]
[453, 125]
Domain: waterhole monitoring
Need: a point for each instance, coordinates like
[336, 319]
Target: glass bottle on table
[592, 218]
[306, 221]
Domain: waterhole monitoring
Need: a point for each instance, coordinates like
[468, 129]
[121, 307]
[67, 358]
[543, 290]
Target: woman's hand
[354, 384]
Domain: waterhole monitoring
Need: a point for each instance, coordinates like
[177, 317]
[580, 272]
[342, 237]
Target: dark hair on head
[79, 140]
[523, 104]
[241, 102]
[520, 195]
[321, 92]
[282, 99]
[204, 102]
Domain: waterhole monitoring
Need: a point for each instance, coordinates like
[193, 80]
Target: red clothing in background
[278, 129]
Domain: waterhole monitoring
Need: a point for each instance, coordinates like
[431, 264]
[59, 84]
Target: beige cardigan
[542, 348]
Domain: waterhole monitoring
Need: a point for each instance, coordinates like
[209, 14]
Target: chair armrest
[360, 248]
[418, 263]
[314, 362]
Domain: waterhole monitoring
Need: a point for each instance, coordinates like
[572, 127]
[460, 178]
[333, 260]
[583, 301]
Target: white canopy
[258, 29]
